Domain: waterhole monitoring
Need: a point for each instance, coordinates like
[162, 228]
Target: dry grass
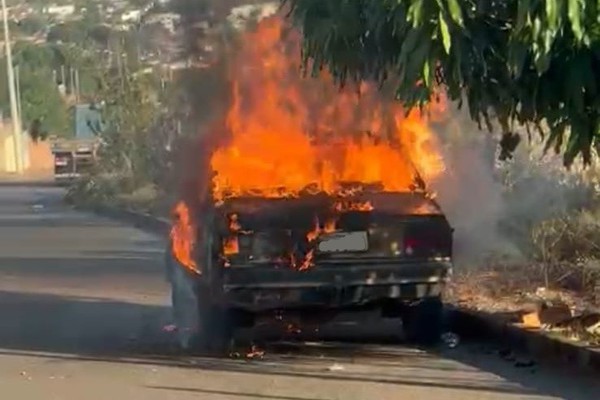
[512, 287]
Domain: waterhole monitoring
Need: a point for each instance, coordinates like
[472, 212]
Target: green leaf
[445, 31]
[455, 12]
[522, 14]
[517, 56]
[552, 13]
[415, 13]
[427, 74]
[574, 10]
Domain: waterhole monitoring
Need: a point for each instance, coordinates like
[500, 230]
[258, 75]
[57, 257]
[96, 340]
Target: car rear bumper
[259, 288]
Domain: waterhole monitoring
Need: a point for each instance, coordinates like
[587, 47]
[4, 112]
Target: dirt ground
[83, 302]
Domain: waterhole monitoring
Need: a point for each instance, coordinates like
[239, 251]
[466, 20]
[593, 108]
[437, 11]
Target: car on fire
[312, 256]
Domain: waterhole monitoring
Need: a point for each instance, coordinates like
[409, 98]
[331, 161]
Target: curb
[28, 183]
[466, 323]
[146, 222]
[541, 345]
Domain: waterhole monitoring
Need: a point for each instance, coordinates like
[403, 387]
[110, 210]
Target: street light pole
[18, 86]
[14, 112]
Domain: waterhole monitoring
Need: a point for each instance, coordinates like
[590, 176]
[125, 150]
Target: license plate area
[344, 242]
[279, 295]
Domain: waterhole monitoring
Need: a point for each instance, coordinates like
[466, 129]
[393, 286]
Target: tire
[201, 326]
[216, 331]
[423, 321]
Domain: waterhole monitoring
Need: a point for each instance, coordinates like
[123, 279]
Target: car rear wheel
[423, 321]
[201, 326]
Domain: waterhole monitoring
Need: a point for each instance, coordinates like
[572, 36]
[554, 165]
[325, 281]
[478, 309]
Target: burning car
[310, 201]
[318, 254]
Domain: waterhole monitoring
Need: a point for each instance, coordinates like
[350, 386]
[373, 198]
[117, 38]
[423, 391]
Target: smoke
[493, 205]
[470, 192]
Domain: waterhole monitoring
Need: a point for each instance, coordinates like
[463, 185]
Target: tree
[131, 107]
[69, 32]
[31, 25]
[529, 62]
[42, 104]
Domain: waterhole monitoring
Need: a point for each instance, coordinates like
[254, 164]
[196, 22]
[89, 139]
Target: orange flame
[353, 206]
[234, 223]
[285, 135]
[231, 246]
[288, 133]
[183, 237]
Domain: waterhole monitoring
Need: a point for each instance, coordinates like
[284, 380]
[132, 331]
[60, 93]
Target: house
[168, 20]
[60, 10]
[239, 16]
[131, 16]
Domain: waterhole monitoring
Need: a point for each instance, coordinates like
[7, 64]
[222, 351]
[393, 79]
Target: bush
[568, 247]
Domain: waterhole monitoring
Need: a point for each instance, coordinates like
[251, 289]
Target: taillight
[410, 245]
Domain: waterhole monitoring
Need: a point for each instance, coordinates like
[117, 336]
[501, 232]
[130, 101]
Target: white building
[131, 16]
[60, 10]
[239, 16]
[168, 20]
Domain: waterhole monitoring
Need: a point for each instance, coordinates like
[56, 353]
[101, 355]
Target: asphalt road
[83, 303]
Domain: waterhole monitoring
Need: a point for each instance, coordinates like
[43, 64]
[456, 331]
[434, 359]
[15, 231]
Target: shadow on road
[230, 394]
[74, 325]
[94, 329]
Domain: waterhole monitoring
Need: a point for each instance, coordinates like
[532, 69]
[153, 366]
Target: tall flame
[288, 133]
[183, 237]
[285, 135]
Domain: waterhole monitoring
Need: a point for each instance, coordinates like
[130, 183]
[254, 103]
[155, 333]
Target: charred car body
[316, 256]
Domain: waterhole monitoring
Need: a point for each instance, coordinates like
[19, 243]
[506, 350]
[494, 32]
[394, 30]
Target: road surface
[83, 303]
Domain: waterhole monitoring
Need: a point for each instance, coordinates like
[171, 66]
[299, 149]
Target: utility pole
[14, 112]
[72, 79]
[77, 85]
[63, 78]
[18, 84]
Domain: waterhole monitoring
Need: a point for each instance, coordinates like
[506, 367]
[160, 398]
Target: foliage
[40, 67]
[528, 61]
[567, 247]
[84, 33]
[68, 32]
[41, 103]
[570, 237]
[43, 66]
[131, 105]
[31, 25]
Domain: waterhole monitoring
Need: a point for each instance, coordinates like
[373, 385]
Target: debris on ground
[509, 295]
[525, 364]
[450, 339]
[507, 355]
[584, 327]
[560, 318]
[255, 353]
[169, 328]
[531, 320]
[336, 367]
